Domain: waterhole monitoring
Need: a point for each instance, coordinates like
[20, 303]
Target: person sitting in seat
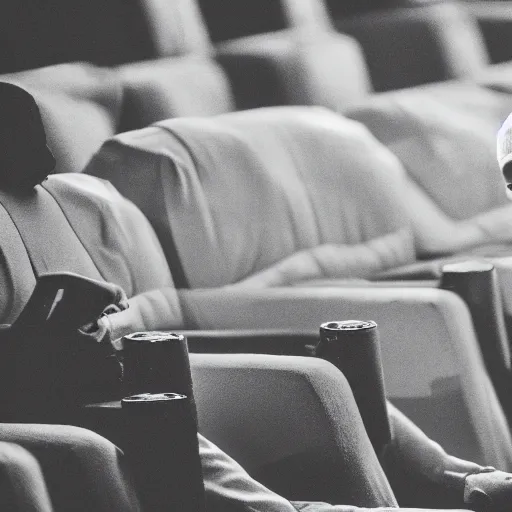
[25, 164]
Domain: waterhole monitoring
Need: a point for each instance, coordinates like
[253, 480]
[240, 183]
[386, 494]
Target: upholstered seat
[445, 136]
[76, 222]
[244, 201]
[403, 46]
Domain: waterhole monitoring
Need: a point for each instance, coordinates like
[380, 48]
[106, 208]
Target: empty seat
[105, 33]
[445, 137]
[403, 46]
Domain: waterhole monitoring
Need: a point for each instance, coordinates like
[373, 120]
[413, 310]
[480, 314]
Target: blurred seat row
[332, 202]
[404, 42]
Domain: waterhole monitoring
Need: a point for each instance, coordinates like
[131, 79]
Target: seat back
[253, 188]
[229, 20]
[78, 224]
[103, 33]
[403, 46]
[184, 80]
[185, 85]
[307, 65]
[445, 137]
[80, 105]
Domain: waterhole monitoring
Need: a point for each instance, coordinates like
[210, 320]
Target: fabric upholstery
[277, 428]
[105, 33]
[445, 136]
[433, 368]
[230, 20]
[234, 197]
[85, 225]
[494, 20]
[172, 87]
[451, 398]
[403, 47]
[295, 67]
[112, 242]
[418, 45]
[80, 105]
[207, 177]
[176, 27]
[89, 228]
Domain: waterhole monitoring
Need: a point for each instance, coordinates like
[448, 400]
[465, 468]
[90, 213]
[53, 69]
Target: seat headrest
[188, 85]
[263, 16]
[25, 159]
[80, 106]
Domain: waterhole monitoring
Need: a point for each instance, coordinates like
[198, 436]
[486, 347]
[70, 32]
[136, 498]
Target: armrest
[292, 423]
[293, 67]
[249, 341]
[416, 45]
[257, 416]
[414, 282]
[431, 358]
[421, 270]
[495, 22]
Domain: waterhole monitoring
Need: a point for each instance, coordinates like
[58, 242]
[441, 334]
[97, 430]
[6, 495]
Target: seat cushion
[252, 188]
[445, 136]
[80, 105]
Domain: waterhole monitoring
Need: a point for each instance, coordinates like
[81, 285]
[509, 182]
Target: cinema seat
[403, 46]
[232, 195]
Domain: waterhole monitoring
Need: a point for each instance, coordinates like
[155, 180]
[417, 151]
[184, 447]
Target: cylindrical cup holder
[353, 347]
[162, 450]
[476, 282]
[155, 362]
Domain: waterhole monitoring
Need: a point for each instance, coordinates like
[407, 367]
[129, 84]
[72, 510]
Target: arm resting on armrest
[485, 487]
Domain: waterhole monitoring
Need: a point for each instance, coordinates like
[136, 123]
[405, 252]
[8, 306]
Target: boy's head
[25, 159]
